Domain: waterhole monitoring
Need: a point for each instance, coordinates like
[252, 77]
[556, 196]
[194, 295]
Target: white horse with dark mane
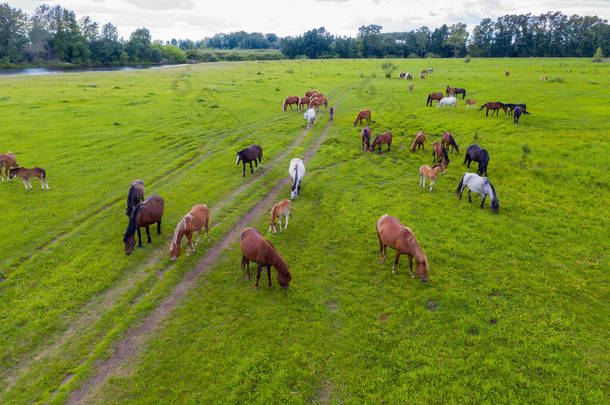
[296, 171]
[447, 101]
[479, 185]
[310, 116]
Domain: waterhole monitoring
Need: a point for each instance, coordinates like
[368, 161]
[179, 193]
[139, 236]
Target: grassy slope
[345, 330]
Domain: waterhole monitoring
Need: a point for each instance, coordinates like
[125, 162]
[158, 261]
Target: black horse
[456, 91]
[476, 153]
[249, 155]
[511, 108]
[135, 195]
[517, 114]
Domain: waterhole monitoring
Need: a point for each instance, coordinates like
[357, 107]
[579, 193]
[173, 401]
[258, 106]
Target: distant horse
[402, 75]
[380, 139]
[303, 101]
[27, 174]
[289, 101]
[471, 103]
[317, 101]
[476, 153]
[439, 154]
[411, 88]
[393, 234]
[255, 248]
[448, 141]
[424, 72]
[447, 101]
[249, 155]
[479, 185]
[434, 96]
[418, 142]
[422, 76]
[196, 219]
[331, 113]
[296, 170]
[363, 115]
[507, 73]
[144, 214]
[310, 93]
[449, 91]
[135, 195]
[7, 160]
[511, 107]
[405, 75]
[426, 171]
[517, 114]
[430, 70]
[279, 209]
[455, 91]
[310, 117]
[494, 106]
[366, 138]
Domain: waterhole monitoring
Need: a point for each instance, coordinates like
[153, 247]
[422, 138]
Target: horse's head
[495, 205]
[130, 242]
[13, 172]
[294, 192]
[238, 157]
[174, 251]
[422, 270]
[284, 277]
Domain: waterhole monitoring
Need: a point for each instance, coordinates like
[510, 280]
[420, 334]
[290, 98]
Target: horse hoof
[140, 247]
[393, 271]
[255, 288]
[247, 278]
[270, 286]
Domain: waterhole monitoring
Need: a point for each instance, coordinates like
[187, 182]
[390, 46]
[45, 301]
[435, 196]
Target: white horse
[296, 171]
[479, 185]
[447, 100]
[310, 116]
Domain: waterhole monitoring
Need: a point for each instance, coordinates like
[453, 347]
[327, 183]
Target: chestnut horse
[289, 101]
[259, 250]
[366, 138]
[434, 96]
[471, 103]
[27, 174]
[494, 107]
[279, 209]
[363, 115]
[311, 93]
[411, 88]
[196, 219]
[397, 236]
[379, 140]
[7, 160]
[449, 141]
[303, 101]
[476, 153]
[144, 214]
[317, 101]
[135, 195]
[426, 171]
[439, 154]
[418, 142]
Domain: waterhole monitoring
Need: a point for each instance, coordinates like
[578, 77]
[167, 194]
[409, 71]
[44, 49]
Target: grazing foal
[431, 173]
[418, 142]
[196, 219]
[471, 103]
[259, 250]
[27, 174]
[363, 115]
[7, 160]
[279, 209]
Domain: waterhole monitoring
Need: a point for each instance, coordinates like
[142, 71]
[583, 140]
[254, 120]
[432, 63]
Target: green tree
[369, 41]
[13, 33]
[599, 54]
[139, 47]
[457, 39]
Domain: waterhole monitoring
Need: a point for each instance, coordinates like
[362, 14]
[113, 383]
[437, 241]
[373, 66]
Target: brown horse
[27, 174]
[418, 142]
[363, 115]
[144, 214]
[471, 103]
[449, 91]
[303, 101]
[135, 195]
[507, 73]
[311, 93]
[439, 154]
[411, 88]
[366, 138]
[402, 75]
[379, 140]
[331, 113]
[259, 250]
[494, 107]
[424, 72]
[422, 77]
[454, 91]
[449, 141]
[196, 219]
[432, 97]
[397, 236]
[289, 101]
[7, 160]
[279, 209]
[426, 171]
[317, 101]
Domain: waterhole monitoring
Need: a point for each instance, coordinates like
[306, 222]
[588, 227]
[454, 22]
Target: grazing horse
[507, 73]
[494, 106]
[310, 117]
[363, 115]
[366, 138]
[317, 101]
[196, 219]
[27, 174]
[430, 70]
[311, 93]
[255, 248]
[422, 76]
[331, 113]
[289, 101]
[424, 72]
[431, 173]
[476, 153]
[471, 103]
[279, 209]
[455, 91]
[403, 74]
[303, 101]
[249, 155]
[411, 88]
[518, 111]
[379, 140]
[296, 170]
[144, 214]
[447, 101]
[433, 96]
[418, 142]
[449, 141]
[7, 160]
[439, 154]
[135, 195]
[479, 185]
[511, 107]
[393, 234]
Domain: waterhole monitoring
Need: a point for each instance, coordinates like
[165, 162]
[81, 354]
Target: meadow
[516, 309]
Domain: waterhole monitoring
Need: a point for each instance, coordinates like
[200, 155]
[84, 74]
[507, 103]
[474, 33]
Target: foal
[379, 140]
[7, 160]
[259, 250]
[418, 142]
[196, 219]
[431, 173]
[471, 103]
[27, 174]
[363, 115]
[279, 209]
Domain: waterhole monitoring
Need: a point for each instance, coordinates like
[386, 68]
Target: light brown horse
[279, 209]
[289, 101]
[411, 88]
[449, 91]
[7, 160]
[432, 97]
[27, 174]
[259, 250]
[379, 140]
[317, 101]
[144, 214]
[471, 103]
[366, 138]
[449, 141]
[363, 115]
[426, 171]
[393, 234]
[311, 93]
[418, 142]
[422, 77]
[196, 219]
[303, 101]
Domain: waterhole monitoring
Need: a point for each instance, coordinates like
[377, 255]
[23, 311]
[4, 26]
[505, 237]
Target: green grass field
[522, 312]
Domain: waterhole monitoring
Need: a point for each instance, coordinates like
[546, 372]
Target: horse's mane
[445, 155]
[131, 227]
[296, 173]
[375, 140]
[130, 196]
[492, 189]
[181, 225]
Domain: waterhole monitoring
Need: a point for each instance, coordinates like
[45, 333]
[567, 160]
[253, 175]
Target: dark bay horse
[439, 154]
[434, 96]
[366, 138]
[448, 141]
[255, 248]
[494, 106]
[454, 91]
[135, 195]
[249, 155]
[379, 140]
[144, 214]
[476, 153]
[512, 106]
[518, 111]
[331, 113]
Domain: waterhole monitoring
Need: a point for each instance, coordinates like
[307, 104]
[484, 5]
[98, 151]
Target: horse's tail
[44, 173]
[460, 186]
[445, 155]
[483, 106]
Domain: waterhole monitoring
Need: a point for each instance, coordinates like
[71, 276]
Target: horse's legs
[198, 236]
[487, 112]
[25, 184]
[380, 249]
[389, 144]
[148, 234]
[395, 262]
[251, 171]
[483, 200]
[411, 266]
[469, 198]
[244, 171]
[189, 243]
[258, 275]
[287, 215]
[139, 238]
[159, 227]
[269, 276]
[280, 222]
[424, 185]
[246, 263]
[431, 184]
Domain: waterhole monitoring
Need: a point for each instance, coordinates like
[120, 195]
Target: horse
[430, 70]
[310, 117]
[455, 91]
[471, 103]
[331, 113]
[393, 234]
[296, 170]
[431, 173]
[317, 101]
[402, 75]
[439, 154]
[379, 140]
[422, 77]
[476, 153]
[366, 138]
[411, 88]
[27, 174]
[144, 214]
[479, 185]
[408, 76]
[7, 160]
[517, 114]
[196, 219]
[279, 209]
[494, 106]
[433, 96]
[424, 72]
[363, 115]
[302, 101]
[310, 93]
[418, 142]
[289, 101]
[135, 195]
[507, 73]
[449, 141]
[447, 101]
[249, 155]
[511, 107]
[449, 91]
[254, 247]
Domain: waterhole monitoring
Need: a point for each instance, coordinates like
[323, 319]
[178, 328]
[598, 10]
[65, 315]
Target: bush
[389, 68]
[599, 55]
[432, 55]
[556, 80]
[413, 55]
[467, 59]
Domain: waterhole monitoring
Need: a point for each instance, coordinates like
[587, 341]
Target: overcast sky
[194, 19]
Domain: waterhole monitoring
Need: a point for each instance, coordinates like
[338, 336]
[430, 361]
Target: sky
[194, 19]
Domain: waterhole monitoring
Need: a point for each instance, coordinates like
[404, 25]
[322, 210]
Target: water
[55, 70]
